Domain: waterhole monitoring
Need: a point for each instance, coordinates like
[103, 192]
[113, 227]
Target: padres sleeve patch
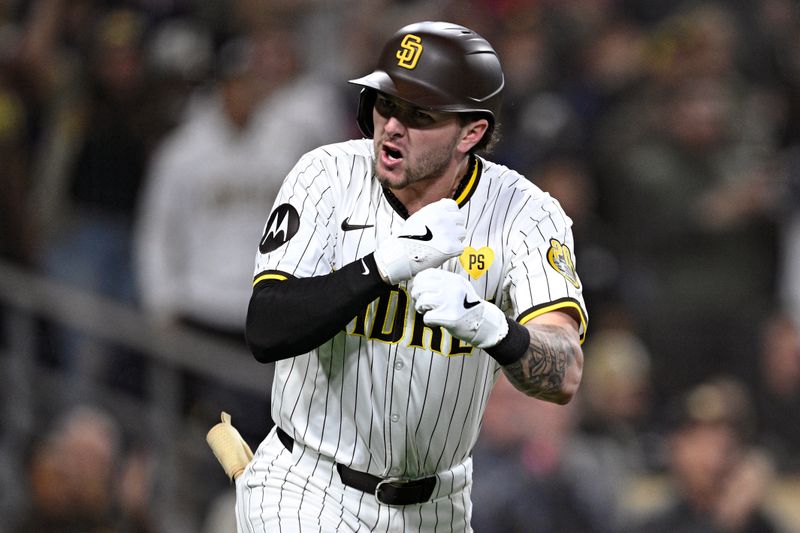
[282, 225]
[560, 258]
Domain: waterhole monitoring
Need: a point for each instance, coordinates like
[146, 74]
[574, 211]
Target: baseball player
[397, 276]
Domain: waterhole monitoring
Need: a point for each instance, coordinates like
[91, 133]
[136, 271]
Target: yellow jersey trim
[469, 188]
[564, 303]
[272, 275]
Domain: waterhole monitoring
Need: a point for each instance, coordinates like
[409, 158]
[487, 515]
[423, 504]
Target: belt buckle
[390, 482]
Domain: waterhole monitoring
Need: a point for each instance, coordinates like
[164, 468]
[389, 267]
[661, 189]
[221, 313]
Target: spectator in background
[207, 184]
[780, 384]
[16, 238]
[691, 181]
[603, 69]
[616, 402]
[570, 181]
[775, 56]
[778, 390]
[179, 54]
[100, 119]
[615, 436]
[537, 121]
[116, 131]
[720, 480]
[528, 474]
[81, 482]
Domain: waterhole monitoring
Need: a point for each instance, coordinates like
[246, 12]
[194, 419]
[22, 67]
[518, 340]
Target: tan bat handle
[229, 447]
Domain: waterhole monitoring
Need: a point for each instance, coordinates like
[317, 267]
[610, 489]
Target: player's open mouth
[391, 154]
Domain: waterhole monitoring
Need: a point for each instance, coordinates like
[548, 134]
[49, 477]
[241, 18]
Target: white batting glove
[427, 239]
[446, 299]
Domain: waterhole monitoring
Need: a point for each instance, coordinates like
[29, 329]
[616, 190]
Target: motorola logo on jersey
[282, 225]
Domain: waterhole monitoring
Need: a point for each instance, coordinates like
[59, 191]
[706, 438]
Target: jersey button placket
[396, 417]
[398, 365]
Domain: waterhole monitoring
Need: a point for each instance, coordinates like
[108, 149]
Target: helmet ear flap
[366, 102]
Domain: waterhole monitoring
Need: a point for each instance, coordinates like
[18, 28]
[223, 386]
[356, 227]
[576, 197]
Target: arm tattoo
[541, 371]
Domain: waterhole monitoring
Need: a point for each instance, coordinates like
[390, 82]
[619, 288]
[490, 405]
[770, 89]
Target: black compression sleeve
[291, 317]
[513, 346]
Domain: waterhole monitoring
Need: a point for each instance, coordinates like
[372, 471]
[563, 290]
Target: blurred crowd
[84, 477]
[142, 143]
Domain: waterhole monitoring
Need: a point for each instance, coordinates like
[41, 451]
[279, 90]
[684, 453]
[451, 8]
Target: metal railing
[30, 390]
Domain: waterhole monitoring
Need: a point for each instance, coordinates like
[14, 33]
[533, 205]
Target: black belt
[388, 491]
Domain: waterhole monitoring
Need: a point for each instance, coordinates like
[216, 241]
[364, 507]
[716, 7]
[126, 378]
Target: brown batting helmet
[438, 66]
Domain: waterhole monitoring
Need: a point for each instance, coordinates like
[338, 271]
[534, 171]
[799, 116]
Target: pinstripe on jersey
[389, 395]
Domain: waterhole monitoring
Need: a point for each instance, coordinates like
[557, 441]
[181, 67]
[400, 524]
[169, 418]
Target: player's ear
[471, 134]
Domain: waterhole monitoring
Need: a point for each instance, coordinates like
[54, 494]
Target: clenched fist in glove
[449, 300]
[427, 239]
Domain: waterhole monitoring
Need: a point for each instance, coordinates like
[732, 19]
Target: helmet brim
[416, 93]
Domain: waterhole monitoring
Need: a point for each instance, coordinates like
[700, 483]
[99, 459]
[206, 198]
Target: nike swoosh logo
[350, 227]
[424, 237]
[366, 268]
[470, 305]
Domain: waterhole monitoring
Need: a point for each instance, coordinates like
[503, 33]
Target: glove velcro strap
[513, 346]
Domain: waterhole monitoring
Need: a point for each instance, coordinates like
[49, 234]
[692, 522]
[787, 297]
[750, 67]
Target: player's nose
[394, 126]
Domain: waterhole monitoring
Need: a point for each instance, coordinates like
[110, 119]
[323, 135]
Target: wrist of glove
[427, 239]
[448, 300]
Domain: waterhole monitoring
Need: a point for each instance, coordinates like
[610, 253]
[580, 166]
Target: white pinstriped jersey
[388, 395]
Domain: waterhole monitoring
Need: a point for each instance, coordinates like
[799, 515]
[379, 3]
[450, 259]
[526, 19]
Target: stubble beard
[429, 165]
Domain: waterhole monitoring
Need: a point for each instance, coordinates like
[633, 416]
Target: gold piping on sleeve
[264, 277]
[555, 306]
